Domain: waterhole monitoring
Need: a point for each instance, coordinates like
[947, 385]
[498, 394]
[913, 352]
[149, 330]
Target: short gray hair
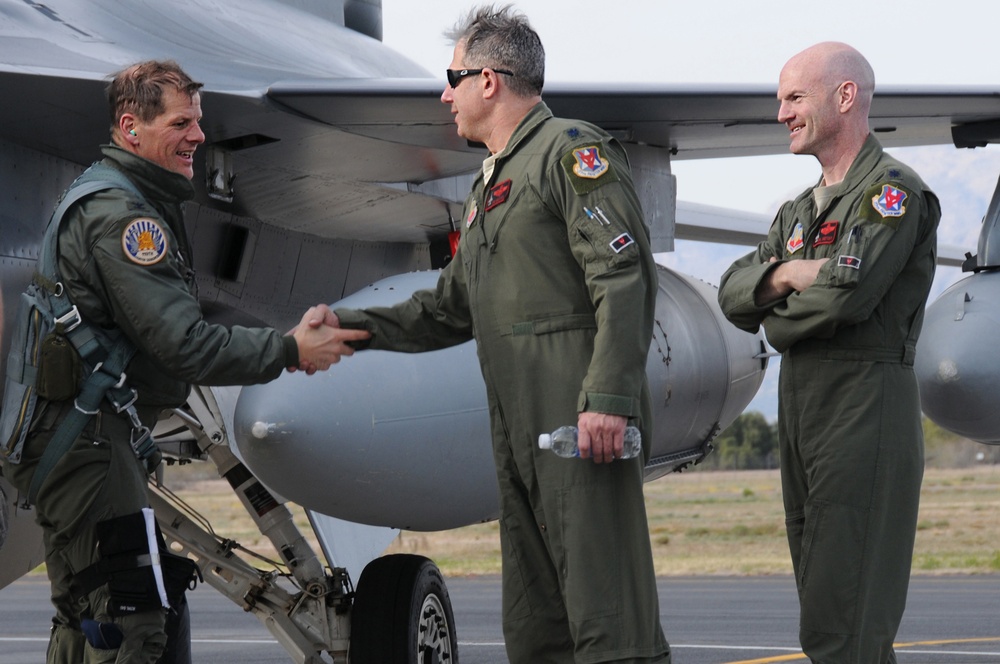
[501, 38]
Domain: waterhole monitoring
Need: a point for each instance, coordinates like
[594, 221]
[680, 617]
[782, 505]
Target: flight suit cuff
[354, 319]
[612, 404]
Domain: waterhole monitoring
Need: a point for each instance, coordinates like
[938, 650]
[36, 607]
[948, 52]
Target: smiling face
[171, 138]
[808, 108]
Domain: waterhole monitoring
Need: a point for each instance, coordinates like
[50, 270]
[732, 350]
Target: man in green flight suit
[839, 286]
[125, 261]
[555, 280]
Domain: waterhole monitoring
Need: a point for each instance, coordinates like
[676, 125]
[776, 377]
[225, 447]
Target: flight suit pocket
[845, 265]
[607, 238]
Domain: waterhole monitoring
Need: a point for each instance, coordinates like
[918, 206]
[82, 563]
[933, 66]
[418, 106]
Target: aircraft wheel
[402, 614]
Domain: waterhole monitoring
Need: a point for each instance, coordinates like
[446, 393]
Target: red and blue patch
[889, 202]
[589, 163]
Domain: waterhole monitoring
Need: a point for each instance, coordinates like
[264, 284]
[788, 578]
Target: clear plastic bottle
[563, 441]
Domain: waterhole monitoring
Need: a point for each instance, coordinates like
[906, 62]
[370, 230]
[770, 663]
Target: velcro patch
[144, 241]
[827, 233]
[849, 261]
[498, 194]
[620, 242]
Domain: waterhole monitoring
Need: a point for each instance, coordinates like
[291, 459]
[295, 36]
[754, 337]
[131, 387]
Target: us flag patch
[620, 242]
[849, 261]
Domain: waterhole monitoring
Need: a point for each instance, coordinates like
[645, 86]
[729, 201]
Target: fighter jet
[332, 173]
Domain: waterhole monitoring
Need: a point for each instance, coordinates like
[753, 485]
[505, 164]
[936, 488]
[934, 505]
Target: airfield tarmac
[708, 620]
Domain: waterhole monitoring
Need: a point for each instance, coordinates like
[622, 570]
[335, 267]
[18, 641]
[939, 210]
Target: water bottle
[563, 442]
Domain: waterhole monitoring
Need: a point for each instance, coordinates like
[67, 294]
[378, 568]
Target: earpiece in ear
[132, 131]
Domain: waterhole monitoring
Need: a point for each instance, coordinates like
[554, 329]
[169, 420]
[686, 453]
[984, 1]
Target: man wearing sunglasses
[554, 278]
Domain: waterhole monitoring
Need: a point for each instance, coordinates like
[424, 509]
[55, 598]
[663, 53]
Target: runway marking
[897, 646]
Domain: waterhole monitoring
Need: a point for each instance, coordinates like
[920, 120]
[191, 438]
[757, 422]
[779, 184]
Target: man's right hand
[321, 344]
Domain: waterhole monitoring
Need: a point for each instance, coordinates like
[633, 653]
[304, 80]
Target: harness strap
[107, 377]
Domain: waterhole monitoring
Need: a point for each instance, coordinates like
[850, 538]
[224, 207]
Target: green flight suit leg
[99, 478]
[66, 642]
[851, 487]
[577, 586]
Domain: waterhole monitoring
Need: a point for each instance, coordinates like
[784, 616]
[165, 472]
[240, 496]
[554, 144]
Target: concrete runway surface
[708, 620]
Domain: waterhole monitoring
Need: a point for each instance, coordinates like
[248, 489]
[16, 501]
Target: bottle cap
[545, 441]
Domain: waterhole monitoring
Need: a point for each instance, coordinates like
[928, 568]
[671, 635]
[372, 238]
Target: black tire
[402, 614]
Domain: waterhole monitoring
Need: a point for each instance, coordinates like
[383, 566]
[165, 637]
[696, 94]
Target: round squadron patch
[144, 242]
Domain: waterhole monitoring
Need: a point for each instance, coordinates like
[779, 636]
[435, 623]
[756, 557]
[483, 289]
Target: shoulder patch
[589, 163]
[884, 203]
[144, 241]
[588, 169]
[889, 201]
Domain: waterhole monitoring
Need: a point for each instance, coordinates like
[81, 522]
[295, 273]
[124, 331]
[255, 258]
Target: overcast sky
[921, 42]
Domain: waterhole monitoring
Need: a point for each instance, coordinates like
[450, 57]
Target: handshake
[322, 341]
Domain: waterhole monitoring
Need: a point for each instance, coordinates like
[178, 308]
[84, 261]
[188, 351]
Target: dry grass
[723, 522]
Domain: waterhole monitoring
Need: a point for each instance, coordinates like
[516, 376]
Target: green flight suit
[147, 290]
[850, 433]
[560, 301]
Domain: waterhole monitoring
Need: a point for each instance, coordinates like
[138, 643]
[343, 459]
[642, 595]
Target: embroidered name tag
[498, 195]
[827, 233]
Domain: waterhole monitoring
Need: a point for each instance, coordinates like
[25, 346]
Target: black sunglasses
[455, 76]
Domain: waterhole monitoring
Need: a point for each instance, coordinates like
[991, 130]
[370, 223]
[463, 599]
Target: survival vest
[56, 355]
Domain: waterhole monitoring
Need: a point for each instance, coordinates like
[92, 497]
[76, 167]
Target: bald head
[825, 94]
[834, 63]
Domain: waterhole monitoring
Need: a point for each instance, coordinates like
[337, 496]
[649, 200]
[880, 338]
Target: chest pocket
[506, 204]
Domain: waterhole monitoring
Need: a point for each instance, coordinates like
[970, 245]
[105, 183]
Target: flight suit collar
[538, 114]
[866, 161]
[153, 180]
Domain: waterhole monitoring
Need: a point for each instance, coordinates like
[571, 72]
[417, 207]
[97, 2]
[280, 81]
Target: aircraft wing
[303, 157]
[693, 121]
